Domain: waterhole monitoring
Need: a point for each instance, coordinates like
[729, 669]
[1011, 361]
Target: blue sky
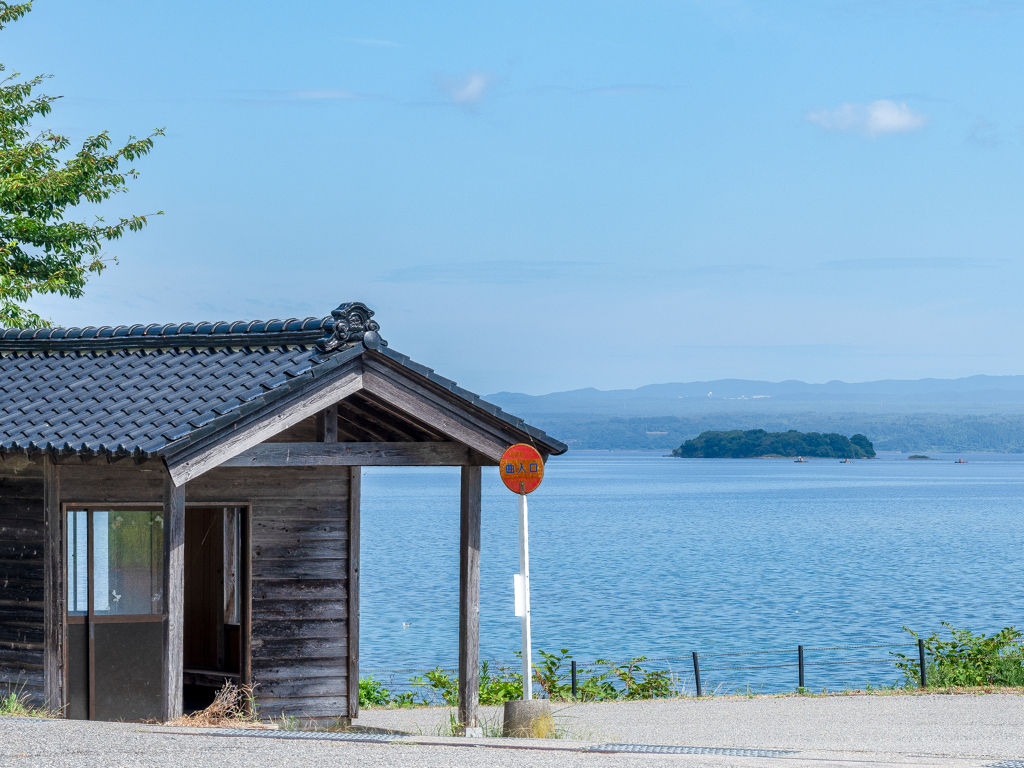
[545, 196]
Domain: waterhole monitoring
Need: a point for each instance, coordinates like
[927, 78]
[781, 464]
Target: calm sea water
[637, 554]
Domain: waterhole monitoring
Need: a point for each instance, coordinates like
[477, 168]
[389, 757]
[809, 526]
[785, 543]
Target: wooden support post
[244, 562]
[327, 425]
[54, 648]
[354, 492]
[230, 565]
[469, 598]
[174, 597]
[222, 590]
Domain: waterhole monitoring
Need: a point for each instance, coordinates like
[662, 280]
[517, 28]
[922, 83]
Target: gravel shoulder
[968, 725]
[967, 731]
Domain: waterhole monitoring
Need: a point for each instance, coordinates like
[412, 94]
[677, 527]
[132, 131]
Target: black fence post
[696, 673]
[800, 665]
[920, 656]
[574, 678]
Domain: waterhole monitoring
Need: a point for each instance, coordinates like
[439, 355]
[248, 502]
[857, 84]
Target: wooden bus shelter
[179, 506]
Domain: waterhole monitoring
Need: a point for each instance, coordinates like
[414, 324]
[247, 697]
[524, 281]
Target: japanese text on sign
[521, 468]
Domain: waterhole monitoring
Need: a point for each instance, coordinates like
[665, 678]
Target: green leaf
[41, 252]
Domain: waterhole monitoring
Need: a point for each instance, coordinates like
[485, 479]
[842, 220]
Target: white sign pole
[524, 571]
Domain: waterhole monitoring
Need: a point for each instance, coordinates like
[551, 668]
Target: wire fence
[811, 668]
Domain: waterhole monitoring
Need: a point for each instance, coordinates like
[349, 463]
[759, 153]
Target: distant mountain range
[977, 413]
[971, 395]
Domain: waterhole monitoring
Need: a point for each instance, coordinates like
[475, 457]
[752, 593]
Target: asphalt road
[859, 732]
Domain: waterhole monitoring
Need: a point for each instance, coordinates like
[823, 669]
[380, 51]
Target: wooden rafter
[425, 431]
[364, 433]
[360, 413]
[421, 402]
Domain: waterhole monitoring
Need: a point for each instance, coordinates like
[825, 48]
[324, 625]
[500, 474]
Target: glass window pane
[100, 559]
[128, 563]
[78, 563]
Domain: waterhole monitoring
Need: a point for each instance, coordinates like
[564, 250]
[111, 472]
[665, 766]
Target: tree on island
[40, 252]
[757, 443]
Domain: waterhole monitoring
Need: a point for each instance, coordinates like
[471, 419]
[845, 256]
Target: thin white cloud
[325, 93]
[304, 97]
[371, 41]
[469, 89]
[493, 272]
[920, 262]
[875, 119]
[624, 90]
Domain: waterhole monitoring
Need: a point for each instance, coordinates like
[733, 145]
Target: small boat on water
[800, 460]
[846, 461]
[959, 461]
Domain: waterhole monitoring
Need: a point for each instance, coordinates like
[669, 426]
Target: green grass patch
[14, 702]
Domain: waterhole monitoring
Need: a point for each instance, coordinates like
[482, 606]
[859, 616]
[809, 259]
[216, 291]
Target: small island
[758, 444]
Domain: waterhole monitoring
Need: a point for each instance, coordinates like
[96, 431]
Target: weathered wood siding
[299, 535]
[21, 578]
[300, 597]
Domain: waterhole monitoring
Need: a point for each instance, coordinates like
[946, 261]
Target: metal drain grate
[1007, 764]
[664, 749]
[390, 738]
[380, 738]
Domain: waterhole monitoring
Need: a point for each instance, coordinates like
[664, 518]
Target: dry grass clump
[233, 706]
[16, 703]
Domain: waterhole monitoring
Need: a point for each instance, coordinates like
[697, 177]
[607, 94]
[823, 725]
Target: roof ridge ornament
[352, 324]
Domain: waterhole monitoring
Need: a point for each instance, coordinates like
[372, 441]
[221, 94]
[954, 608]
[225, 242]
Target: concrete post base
[528, 719]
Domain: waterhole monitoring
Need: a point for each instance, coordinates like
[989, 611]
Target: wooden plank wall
[21, 578]
[300, 599]
[299, 536]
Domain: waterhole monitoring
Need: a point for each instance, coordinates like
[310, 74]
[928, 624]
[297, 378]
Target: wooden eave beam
[377, 379]
[430, 454]
[417, 400]
[257, 427]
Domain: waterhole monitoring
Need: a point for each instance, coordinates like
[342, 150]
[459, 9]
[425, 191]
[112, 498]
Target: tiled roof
[143, 390]
[204, 334]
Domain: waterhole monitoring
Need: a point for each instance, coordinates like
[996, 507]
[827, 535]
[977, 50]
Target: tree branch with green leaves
[42, 252]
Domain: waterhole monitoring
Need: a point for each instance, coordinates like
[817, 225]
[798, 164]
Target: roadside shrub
[496, 686]
[629, 680]
[966, 659]
[499, 686]
[372, 693]
[441, 683]
[640, 683]
[555, 678]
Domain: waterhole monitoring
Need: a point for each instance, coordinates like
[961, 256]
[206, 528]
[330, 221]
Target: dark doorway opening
[212, 610]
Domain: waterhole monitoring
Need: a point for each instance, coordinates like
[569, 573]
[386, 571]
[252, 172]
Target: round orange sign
[522, 468]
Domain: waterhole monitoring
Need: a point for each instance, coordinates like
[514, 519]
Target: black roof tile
[151, 389]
